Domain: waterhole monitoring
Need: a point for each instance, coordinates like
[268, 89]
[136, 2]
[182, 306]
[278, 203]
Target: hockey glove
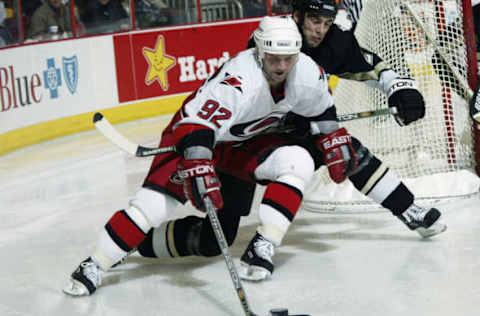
[199, 181]
[338, 154]
[475, 105]
[404, 95]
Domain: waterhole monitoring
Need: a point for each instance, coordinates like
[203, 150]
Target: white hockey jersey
[237, 103]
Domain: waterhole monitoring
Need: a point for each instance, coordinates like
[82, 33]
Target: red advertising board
[172, 61]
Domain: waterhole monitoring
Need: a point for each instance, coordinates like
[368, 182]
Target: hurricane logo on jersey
[257, 126]
[233, 81]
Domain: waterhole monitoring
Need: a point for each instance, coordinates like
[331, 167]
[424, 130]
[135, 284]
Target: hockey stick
[222, 243]
[366, 114]
[104, 126]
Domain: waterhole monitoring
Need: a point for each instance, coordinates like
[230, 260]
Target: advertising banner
[54, 80]
[158, 63]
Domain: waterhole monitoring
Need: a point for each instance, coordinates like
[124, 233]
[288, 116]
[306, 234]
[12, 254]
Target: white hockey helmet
[278, 36]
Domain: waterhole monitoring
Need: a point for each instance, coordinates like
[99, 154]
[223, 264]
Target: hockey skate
[256, 263]
[85, 279]
[426, 222]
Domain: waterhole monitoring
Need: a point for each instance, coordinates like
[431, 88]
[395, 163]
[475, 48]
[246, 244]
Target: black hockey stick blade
[104, 127]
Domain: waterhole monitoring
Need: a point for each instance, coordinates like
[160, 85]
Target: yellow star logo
[158, 64]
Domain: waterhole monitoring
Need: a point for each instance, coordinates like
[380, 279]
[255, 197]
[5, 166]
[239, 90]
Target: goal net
[431, 41]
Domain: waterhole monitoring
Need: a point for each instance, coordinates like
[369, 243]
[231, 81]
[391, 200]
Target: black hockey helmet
[320, 7]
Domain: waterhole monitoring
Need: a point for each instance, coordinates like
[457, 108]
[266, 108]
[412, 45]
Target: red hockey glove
[199, 181]
[338, 154]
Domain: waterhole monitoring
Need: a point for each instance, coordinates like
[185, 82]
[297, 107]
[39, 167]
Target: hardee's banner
[177, 60]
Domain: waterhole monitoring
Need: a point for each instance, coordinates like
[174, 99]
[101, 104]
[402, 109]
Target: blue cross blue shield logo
[70, 72]
[52, 78]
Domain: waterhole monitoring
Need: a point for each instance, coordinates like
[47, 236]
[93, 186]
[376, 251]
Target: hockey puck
[279, 312]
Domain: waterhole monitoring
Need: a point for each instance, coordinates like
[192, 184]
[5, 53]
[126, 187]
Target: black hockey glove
[404, 95]
[475, 105]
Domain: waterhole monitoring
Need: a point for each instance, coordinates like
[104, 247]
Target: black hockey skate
[85, 279]
[426, 222]
[256, 263]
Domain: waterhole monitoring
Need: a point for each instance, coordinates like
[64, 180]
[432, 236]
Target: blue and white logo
[70, 72]
[52, 78]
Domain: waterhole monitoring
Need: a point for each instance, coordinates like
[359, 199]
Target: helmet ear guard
[277, 36]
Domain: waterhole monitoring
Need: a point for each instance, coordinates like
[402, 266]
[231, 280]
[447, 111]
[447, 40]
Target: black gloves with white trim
[404, 95]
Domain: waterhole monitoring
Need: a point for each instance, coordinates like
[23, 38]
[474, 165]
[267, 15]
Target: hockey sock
[125, 230]
[279, 206]
[378, 182]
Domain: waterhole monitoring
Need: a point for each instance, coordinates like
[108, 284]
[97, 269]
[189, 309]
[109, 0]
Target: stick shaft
[222, 243]
[366, 114]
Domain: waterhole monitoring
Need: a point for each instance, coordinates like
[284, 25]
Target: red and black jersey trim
[284, 198]
[124, 231]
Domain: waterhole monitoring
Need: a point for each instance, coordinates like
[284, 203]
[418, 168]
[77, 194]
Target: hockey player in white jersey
[219, 133]
[193, 235]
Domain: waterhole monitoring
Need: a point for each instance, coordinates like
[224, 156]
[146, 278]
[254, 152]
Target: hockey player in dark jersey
[193, 235]
[338, 52]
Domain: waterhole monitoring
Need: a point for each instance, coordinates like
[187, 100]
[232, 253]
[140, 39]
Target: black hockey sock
[399, 200]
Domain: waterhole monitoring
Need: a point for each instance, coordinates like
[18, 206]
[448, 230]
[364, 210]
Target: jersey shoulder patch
[233, 81]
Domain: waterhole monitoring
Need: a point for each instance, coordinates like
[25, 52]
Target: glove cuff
[400, 83]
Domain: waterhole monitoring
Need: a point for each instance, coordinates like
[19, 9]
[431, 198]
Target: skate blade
[253, 273]
[75, 288]
[436, 228]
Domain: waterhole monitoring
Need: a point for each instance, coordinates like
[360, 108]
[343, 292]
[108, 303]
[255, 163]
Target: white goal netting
[423, 39]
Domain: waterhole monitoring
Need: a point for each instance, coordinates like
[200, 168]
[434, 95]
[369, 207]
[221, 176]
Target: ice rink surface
[55, 198]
